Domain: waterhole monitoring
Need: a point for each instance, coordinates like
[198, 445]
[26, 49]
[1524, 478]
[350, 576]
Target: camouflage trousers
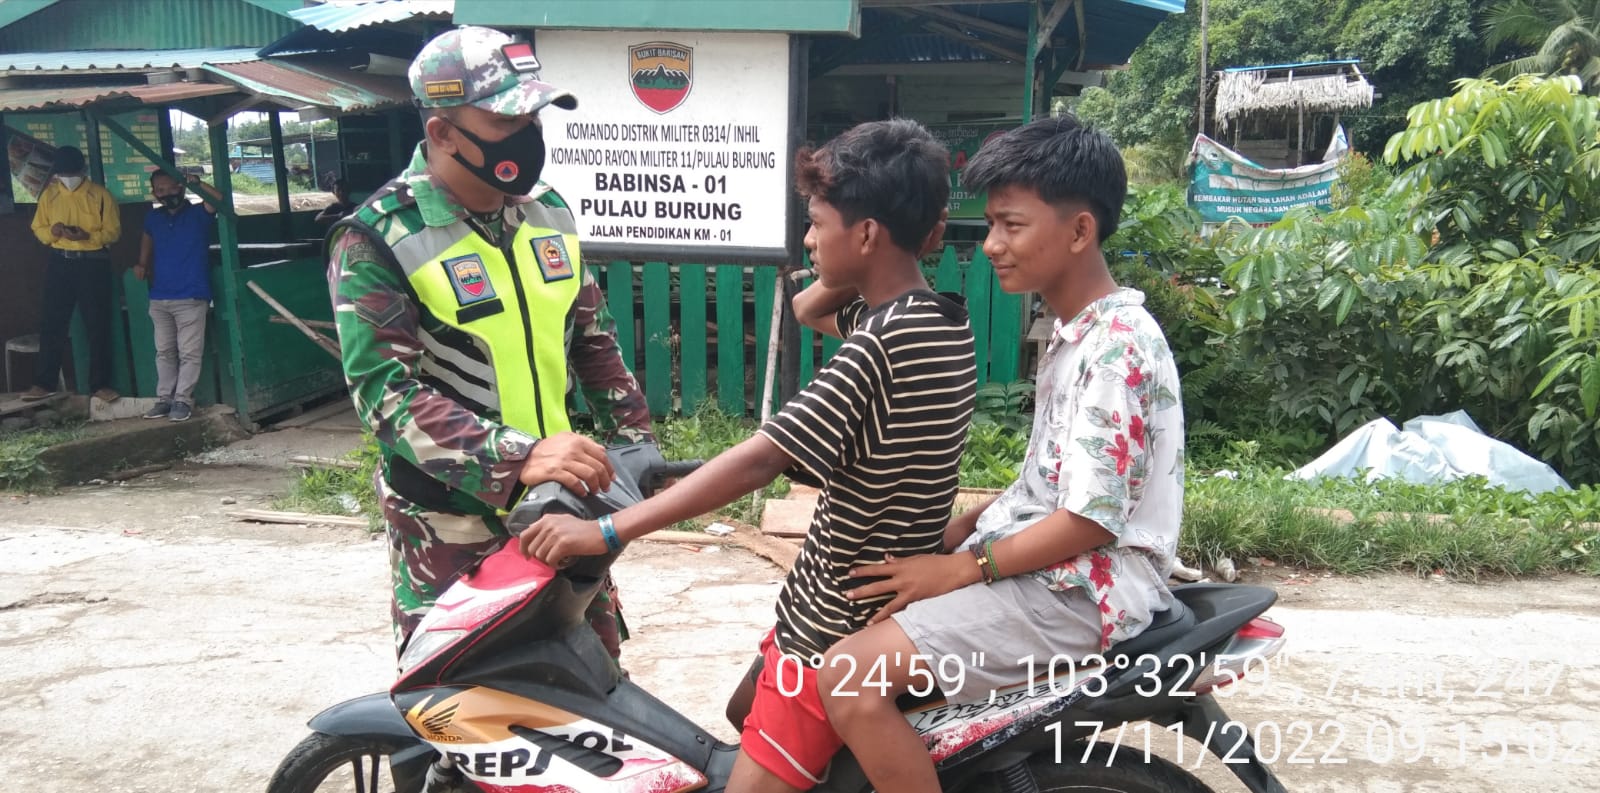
[428, 550]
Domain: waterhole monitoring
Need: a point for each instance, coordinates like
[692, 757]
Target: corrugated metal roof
[14, 10]
[318, 83]
[156, 24]
[340, 17]
[19, 99]
[278, 6]
[120, 60]
[1114, 29]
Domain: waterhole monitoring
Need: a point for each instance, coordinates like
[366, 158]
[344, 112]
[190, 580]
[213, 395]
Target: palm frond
[1516, 21]
[1532, 64]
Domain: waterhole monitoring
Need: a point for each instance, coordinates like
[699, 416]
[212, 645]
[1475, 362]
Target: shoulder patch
[469, 279]
[554, 262]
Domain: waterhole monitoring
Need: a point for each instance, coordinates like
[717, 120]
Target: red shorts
[787, 731]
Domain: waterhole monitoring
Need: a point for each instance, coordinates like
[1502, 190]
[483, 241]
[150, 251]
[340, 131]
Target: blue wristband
[609, 531]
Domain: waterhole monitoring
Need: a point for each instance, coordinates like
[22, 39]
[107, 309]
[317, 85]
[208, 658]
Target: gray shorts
[1004, 622]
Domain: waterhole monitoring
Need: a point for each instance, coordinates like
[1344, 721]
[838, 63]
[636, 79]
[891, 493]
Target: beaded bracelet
[994, 567]
[608, 529]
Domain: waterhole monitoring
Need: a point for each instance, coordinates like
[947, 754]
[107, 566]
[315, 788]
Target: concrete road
[149, 643]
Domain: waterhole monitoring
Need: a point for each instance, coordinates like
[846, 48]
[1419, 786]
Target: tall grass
[1466, 529]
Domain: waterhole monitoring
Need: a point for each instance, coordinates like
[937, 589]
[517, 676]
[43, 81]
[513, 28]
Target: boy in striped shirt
[880, 430]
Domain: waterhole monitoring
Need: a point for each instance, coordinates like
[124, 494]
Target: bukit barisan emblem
[663, 73]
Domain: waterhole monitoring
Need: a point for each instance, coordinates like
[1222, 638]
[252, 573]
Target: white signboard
[680, 140]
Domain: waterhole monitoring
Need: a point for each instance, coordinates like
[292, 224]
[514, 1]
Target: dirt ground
[150, 643]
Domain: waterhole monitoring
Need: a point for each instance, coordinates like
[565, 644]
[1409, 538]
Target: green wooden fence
[700, 332]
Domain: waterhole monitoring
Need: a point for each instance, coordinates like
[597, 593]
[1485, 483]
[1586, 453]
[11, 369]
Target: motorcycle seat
[1165, 626]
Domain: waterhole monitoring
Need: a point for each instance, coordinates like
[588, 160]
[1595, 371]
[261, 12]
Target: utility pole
[1204, 24]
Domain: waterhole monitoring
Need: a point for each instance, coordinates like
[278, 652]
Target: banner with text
[1225, 185]
[680, 139]
[963, 141]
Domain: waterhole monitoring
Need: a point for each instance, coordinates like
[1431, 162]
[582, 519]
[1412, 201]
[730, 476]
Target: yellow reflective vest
[502, 352]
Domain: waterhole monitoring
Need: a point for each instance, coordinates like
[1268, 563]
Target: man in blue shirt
[175, 257]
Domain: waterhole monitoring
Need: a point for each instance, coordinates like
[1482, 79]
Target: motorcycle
[504, 688]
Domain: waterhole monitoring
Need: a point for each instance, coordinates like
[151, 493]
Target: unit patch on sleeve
[469, 278]
[554, 263]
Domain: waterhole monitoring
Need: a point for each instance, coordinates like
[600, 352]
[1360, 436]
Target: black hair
[1061, 160]
[69, 159]
[158, 172]
[893, 172]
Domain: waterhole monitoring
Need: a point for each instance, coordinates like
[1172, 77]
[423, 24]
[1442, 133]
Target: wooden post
[280, 169]
[94, 156]
[227, 303]
[1031, 68]
[328, 345]
[1204, 28]
[164, 135]
[1300, 140]
[223, 208]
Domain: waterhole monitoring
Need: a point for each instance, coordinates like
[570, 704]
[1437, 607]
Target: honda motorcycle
[504, 688]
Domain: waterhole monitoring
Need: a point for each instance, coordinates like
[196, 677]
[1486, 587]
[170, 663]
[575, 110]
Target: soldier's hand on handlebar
[554, 539]
[578, 463]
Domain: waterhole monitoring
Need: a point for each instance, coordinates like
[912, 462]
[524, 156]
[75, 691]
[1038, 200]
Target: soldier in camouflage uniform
[462, 304]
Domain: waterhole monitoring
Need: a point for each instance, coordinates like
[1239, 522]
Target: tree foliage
[1506, 169]
[1410, 49]
[1564, 34]
[1359, 312]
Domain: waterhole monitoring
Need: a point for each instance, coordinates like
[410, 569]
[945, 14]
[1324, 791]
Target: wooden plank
[764, 284]
[948, 276]
[730, 339]
[312, 461]
[298, 518]
[619, 298]
[786, 518]
[657, 293]
[979, 276]
[142, 332]
[685, 538]
[692, 334]
[1005, 332]
[316, 414]
[208, 390]
[121, 358]
[14, 405]
[780, 552]
[830, 345]
[320, 324]
[808, 346]
[327, 344]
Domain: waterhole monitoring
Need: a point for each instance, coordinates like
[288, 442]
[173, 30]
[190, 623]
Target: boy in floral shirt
[1073, 556]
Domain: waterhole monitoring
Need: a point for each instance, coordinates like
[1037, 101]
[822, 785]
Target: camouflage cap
[484, 68]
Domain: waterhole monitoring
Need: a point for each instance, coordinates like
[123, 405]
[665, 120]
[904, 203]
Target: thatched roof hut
[1293, 89]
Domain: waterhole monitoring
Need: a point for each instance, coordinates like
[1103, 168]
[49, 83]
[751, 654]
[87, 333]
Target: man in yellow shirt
[78, 220]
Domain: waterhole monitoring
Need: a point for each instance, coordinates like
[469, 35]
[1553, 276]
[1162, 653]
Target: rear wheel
[1128, 772]
[325, 763]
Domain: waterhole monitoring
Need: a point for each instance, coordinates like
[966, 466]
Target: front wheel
[325, 763]
[1128, 772]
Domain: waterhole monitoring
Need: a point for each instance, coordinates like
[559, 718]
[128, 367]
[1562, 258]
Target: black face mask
[511, 165]
[171, 201]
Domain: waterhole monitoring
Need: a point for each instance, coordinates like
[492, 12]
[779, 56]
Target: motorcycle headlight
[424, 644]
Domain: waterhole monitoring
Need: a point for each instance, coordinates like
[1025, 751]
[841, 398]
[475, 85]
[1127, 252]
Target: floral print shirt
[1107, 444]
